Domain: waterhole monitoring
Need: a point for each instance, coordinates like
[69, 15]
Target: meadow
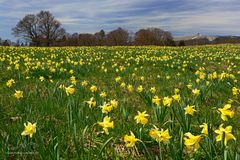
[120, 102]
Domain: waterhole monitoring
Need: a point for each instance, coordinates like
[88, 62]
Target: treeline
[43, 29]
[119, 37]
[6, 42]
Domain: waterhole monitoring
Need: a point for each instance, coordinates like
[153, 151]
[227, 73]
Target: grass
[67, 128]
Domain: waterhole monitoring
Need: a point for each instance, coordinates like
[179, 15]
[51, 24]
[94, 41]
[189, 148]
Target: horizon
[184, 18]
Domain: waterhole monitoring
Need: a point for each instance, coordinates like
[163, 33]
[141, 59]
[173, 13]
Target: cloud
[179, 17]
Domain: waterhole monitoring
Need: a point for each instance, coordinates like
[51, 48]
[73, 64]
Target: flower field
[120, 102]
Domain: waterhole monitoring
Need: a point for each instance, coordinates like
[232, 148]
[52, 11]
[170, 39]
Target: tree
[100, 38]
[118, 37]
[27, 29]
[153, 36]
[87, 40]
[181, 43]
[40, 29]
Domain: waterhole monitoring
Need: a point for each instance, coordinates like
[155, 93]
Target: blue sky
[180, 17]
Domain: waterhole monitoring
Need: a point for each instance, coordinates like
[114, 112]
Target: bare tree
[118, 37]
[153, 36]
[27, 29]
[39, 29]
[100, 38]
[49, 28]
[87, 40]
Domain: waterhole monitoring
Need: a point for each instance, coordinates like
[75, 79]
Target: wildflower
[62, 86]
[225, 133]
[123, 85]
[140, 88]
[189, 85]
[226, 112]
[189, 110]
[69, 90]
[230, 101]
[103, 94]
[165, 136]
[41, 78]
[114, 103]
[106, 107]
[10, 82]
[18, 94]
[235, 91]
[176, 90]
[196, 92]
[130, 88]
[107, 123]
[30, 129]
[155, 134]
[167, 101]
[204, 127]
[191, 142]
[118, 79]
[71, 71]
[176, 97]
[91, 103]
[73, 80]
[153, 90]
[93, 88]
[156, 100]
[160, 136]
[141, 118]
[130, 140]
[84, 83]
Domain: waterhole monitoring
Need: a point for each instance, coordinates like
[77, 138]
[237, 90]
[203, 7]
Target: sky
[180, 17]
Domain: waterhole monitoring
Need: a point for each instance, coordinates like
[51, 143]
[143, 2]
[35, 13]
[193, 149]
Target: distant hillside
[205, 39]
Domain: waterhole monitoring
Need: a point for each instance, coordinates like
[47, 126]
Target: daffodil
[69, 90]
[225, 133]
[84, 83]
[140, 88]
[141, 118]
[106, 107]
[176, 97]
[160, 136]
[153, 90]
[18, 94]
[91, 103]
[196, 92]
[191, 142]
[165, 135]
[10, 82]
[226, 112]
[118, 79]
[106, 123]
[103, 94]
[167, 101]
[41, 78]
[176, 90]
[93, 88]
[114, 103]
[30, 129]
[204, 127]
[235, 91]
[73, 80]
[189, 110]
[156, 100]
[130, 140]
[130, 88]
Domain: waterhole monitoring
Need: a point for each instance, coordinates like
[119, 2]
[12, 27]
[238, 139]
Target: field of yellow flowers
[120, 102]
